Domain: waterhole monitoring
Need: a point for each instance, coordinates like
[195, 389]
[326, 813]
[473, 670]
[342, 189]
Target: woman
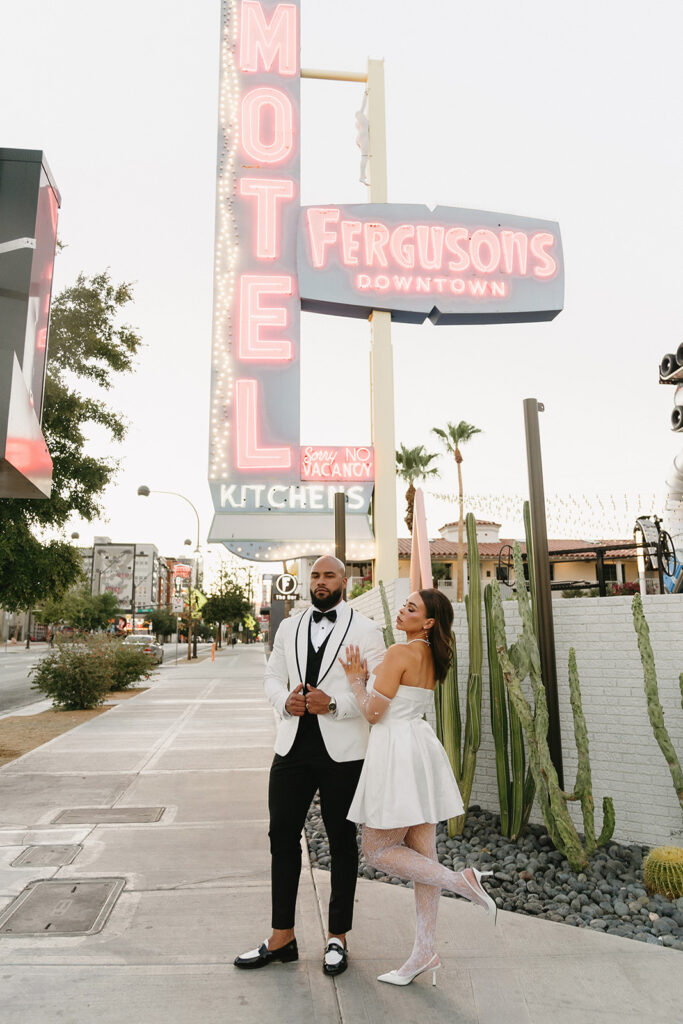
[407, 784]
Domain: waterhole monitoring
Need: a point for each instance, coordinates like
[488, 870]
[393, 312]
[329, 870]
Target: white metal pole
[381, 356]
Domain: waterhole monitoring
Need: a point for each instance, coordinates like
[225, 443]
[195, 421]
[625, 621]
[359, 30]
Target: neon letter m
[277, 39]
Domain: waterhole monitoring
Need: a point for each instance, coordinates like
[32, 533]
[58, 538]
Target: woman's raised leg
[384, 849]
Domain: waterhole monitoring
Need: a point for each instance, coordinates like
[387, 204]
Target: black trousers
[294, 781]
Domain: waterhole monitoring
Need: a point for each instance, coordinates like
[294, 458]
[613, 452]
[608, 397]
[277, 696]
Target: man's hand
[317, 702]
[295, 704]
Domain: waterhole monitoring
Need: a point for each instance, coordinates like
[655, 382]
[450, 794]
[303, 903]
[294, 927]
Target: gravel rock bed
[530, 877]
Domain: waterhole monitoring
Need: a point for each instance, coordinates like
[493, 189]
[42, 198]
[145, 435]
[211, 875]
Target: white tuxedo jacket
[345, 733]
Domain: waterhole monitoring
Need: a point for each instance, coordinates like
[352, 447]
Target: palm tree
[413, 464]
[453, 437]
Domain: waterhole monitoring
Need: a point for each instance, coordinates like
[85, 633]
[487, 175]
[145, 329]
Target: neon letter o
[282, 143]
[481, 238]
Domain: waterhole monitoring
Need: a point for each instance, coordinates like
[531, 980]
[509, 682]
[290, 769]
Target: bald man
[320, 746]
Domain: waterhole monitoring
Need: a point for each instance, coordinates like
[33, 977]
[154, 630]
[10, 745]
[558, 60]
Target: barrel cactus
[663, 871]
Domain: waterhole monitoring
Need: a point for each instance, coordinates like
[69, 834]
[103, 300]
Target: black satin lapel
[337, 638]
[301, 645]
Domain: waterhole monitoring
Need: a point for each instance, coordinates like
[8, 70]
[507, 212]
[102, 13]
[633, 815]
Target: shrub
[127, 665]
[619, 589]
[76, 676]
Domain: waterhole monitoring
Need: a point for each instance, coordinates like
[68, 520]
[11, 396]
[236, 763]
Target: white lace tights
[411, 853]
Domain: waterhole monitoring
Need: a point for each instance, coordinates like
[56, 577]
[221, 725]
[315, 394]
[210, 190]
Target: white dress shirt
[321, 630]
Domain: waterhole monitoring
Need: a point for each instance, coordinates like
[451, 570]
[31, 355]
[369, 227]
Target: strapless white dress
[407, 777]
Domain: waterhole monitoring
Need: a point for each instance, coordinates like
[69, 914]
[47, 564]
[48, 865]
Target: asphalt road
[17, 662]
[15, 684]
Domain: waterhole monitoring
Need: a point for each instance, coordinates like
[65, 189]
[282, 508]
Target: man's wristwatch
[332, 706]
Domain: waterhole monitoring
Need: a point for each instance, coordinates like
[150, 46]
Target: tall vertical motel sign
[274, 258]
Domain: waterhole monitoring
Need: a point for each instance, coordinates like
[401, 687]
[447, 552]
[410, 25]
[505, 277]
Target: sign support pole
[340, 526]
[381, 357]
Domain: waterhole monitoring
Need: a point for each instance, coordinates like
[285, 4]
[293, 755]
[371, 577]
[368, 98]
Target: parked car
[148, 644]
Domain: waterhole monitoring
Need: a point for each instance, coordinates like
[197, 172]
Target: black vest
[314, 659]
[308, 731]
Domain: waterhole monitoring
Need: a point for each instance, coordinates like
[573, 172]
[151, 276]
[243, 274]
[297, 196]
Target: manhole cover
[46, 856]
[107, 815]
[59, 907]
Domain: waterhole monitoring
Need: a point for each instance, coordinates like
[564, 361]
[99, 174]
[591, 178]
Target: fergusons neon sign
[451, 265]
[273, 258]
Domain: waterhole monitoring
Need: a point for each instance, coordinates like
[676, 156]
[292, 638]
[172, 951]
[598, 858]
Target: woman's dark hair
[439, 608]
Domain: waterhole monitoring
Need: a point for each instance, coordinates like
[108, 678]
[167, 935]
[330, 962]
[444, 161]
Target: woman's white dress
[407, 777]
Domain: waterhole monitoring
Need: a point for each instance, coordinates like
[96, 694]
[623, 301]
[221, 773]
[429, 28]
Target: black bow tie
[318, 616]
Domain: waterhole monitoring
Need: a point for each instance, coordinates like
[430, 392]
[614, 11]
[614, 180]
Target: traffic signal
[671, 372]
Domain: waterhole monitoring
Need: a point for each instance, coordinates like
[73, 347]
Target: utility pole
[135, 551]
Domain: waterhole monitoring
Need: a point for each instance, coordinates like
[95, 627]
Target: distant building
[138, 575]
[620, 566]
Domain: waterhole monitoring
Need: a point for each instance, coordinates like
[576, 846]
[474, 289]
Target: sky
[565, 111]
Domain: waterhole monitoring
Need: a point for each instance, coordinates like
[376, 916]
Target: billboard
[113, 570]
[29, 205]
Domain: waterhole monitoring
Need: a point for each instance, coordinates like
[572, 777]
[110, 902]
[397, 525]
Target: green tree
[413, 464]
[89, 347]
[453, 437]
[440, 571]
[163, 622]
[81, 609]
[228, 604]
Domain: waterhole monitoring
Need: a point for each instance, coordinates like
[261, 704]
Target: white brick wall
[626, 761]
[370, 603]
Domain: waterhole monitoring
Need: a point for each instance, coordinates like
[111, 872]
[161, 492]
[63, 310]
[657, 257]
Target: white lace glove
[372, 704]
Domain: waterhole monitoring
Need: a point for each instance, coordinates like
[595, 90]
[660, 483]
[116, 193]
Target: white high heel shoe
[480, 891]
[394, 978]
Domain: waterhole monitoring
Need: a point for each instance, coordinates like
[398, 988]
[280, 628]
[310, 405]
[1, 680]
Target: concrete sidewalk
[198, 744]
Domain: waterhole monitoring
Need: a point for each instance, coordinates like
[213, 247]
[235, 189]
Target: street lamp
[144, 492]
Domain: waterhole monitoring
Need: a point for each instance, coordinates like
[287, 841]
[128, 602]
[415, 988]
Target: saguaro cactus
[387, 629]
[462, 750]
[515, 782]
[583, 787]
[516, 662]
[516, 785]
[654, 706]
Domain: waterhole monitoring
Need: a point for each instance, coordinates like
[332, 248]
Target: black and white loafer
[336, 958]
[262, 956]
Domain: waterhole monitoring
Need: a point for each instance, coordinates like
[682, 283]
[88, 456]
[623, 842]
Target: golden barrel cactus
[663, 871]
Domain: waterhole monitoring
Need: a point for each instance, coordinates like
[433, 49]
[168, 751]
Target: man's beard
[324, 602]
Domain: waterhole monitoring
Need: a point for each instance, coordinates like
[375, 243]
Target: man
[320, 745]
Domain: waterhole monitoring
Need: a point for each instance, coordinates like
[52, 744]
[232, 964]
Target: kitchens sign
[273, 258]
